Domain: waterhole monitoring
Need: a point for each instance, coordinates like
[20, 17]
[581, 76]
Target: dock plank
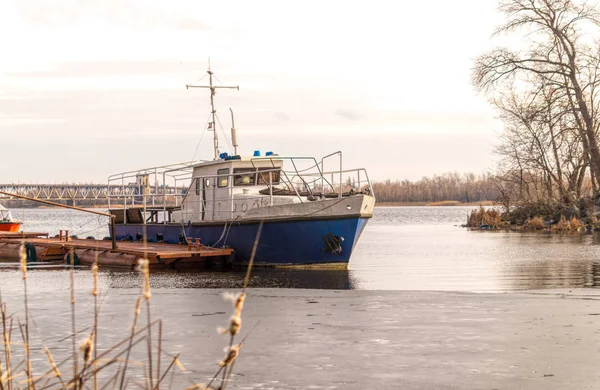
[23, 234]
[126, 253]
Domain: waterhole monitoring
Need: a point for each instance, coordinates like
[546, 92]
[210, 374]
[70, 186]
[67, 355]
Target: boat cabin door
[217, 196]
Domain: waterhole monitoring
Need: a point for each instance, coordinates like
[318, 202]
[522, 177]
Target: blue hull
[296, 242]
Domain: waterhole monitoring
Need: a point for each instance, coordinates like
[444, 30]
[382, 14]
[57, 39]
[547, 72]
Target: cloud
[69, 12]
[191, 25]
[348, 114]
[51, 13]
[109, 68]
[282, 116]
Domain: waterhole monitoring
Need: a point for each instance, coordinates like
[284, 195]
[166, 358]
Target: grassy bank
[492, 219]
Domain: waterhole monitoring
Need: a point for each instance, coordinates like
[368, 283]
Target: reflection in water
[260, 278]
[551, 274]
[446, 257]
[553, 261]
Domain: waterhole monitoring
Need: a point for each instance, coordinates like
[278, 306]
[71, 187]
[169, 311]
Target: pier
[64, 250]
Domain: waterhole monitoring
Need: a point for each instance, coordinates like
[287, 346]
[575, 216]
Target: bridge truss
[79, 191]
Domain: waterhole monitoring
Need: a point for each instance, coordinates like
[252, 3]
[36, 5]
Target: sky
[92, 88]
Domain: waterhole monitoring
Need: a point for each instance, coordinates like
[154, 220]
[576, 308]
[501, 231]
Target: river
[402, 248]
[422, 306]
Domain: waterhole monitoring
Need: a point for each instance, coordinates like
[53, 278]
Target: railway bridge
[72, 193]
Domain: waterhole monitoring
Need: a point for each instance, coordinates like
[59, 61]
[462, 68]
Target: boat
[7, 222]
[311, 212]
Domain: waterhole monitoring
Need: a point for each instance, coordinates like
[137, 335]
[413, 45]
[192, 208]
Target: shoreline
[447, 203]
[382, 204]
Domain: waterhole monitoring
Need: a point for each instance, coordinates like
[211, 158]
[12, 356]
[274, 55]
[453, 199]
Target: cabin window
[223, 178]
[197, 186]
[244, 176]
[263, 178]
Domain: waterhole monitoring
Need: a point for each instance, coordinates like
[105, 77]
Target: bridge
[78, 192]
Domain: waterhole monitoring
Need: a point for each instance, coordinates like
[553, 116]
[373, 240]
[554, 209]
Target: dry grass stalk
[23, 257]
[235, 324]
[73, 331]
[535, 223]
[12, 376]
[564, 225]
[93, 362]
[7, 348]
[135, 318]
[147, 295]
[482, 217]
[95, 331]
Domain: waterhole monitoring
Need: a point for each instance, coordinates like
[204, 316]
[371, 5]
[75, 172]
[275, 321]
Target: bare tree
[553, 115]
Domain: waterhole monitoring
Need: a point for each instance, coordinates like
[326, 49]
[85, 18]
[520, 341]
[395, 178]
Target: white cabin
[227, 189]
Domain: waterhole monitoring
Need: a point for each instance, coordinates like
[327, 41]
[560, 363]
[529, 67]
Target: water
[309, 334]
[405, 248]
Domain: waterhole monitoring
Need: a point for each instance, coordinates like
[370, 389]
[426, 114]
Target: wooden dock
[84, 252]
[22, 235]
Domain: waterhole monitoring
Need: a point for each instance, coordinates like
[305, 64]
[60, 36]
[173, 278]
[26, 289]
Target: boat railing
[356, 179]
[330, 181]
[305, 184]
[170, 182]
[304, 188]
[339, 154]
[301, 172]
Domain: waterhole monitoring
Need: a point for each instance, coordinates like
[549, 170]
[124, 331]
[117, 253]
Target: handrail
[294, 180]
[339, 152]
[315, 166]
[182, 165]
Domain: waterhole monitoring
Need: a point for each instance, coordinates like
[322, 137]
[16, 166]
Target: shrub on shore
[493, 219]
[535, 223]
[481, 217]
[565, 225]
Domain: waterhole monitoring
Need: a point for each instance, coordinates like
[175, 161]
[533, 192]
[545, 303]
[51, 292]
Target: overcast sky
[91, 88]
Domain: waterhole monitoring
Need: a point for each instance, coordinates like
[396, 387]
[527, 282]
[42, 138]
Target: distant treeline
[466, 187]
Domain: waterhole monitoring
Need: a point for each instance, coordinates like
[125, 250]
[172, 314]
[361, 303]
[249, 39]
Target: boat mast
[233, 134]
[212, 125]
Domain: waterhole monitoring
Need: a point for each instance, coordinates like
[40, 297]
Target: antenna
[213, 125]
[233, 134]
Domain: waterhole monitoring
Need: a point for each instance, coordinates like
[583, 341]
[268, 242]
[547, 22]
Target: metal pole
[113, 231]
[111, 216]
[271, 188]
[155, 187]
[341, 184]
[164, 199]
[212, 105]
[213, 112]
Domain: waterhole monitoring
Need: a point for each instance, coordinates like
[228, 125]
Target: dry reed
[484, 217]
[535, 223]
[564, 225]
[116, 356]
